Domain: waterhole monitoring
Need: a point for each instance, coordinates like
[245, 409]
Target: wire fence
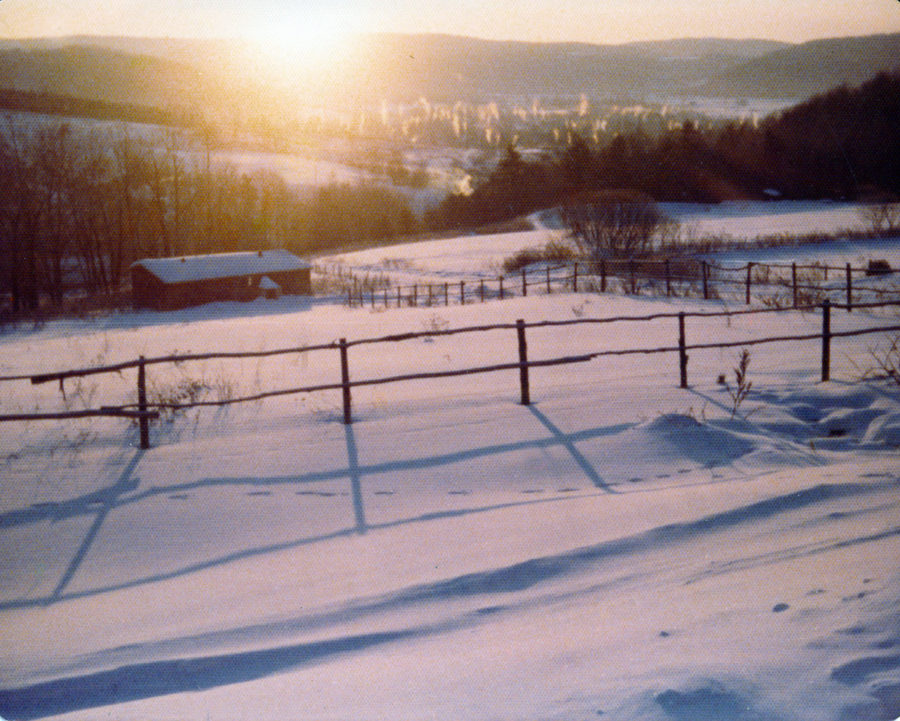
[772, 284]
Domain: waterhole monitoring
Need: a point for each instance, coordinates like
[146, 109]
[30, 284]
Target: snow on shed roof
[185, 269]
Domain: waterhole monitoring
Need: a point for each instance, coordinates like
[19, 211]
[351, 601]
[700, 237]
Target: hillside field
[622, 548]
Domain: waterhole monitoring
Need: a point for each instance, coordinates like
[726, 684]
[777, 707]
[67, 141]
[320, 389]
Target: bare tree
[618, 223]
[55, 152]
[882, 217]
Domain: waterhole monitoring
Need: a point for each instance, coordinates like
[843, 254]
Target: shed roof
[188, 268]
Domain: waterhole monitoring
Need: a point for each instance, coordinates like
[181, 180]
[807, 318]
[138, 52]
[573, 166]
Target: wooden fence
[144, 411]
[789, 284]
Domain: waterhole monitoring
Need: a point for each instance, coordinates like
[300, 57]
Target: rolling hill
[165, 72]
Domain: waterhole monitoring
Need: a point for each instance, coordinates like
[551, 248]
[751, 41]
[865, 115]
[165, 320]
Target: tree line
[844, 144]
[78, 207]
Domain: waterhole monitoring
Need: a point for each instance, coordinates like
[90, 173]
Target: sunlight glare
[307, 40]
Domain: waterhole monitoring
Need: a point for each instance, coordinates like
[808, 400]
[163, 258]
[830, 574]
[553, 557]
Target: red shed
[171, 283]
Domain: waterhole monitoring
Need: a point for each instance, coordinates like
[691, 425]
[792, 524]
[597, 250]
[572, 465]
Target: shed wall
[150, 292]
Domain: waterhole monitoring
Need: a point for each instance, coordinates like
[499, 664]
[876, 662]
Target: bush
[882, 218]
[553, 252]
[617, 223]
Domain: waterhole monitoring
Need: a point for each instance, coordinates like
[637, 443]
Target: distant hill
[167, 73]
[451, 67]
[688, 48]
[810, 68]
[97, 73]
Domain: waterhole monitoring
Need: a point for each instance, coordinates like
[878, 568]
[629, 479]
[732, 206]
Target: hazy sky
[601, 21]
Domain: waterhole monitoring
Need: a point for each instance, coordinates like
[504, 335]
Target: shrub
[882, 218]
[553, 252]
[742, 383]
[618, 223]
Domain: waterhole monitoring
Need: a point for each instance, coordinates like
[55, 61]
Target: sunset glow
[305, 39]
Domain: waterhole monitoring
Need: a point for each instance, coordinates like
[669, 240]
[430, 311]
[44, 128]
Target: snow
[189, 268]
[620, 549]
[481, 256]
[752, 219]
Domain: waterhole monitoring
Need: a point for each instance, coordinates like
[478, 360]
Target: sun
[307, 40]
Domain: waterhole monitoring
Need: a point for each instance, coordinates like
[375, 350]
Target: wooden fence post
[501, 288]
[143, 422]
[668, 279]
[575, 278]
[524, 284]
[481, 290]
[682, 351]
[826, 340]
[446, 294]
[345, 381]
[749, 280]
[849, 289]
[548, 280]
[631, 272]
[705, 273]
[603, 275]
[523, 361]
[462, 292]
[794, 281]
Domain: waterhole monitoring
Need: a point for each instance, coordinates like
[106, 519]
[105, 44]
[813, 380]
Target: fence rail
[805, 283]
[144, 411]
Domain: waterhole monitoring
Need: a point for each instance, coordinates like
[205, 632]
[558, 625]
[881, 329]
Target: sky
[600, 21]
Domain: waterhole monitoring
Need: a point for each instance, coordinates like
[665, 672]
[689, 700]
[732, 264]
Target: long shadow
[414, 464]
[111, 499]
[569, 445]
[80, 506]
[86, 504]
[359, 510]
[110, 496]
[274, 548]
[159, 678]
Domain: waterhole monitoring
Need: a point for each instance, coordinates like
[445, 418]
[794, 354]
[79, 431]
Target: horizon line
[435, 34]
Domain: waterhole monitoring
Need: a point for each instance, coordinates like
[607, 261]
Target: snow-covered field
[480, 256]
[620, 549]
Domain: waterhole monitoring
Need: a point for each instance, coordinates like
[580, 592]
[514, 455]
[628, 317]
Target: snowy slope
[481, 256]
[621, 549]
